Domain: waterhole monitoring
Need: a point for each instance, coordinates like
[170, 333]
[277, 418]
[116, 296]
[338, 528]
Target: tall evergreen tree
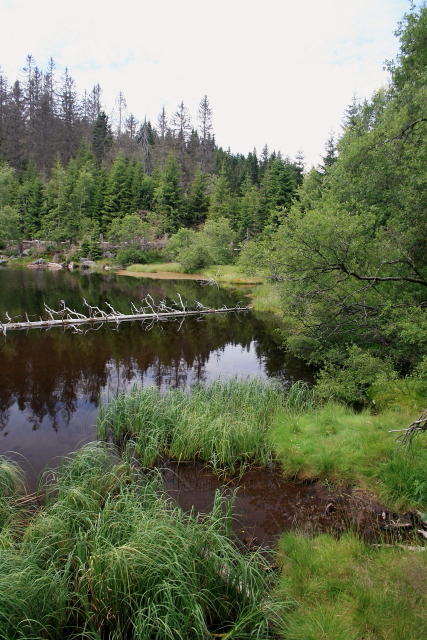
[168, 194]
[102, 138]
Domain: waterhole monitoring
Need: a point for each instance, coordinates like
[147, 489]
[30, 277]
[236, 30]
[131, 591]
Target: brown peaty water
[266, 505]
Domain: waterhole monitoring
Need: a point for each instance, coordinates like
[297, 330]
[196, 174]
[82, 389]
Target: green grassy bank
[342, 589]
[230, 424]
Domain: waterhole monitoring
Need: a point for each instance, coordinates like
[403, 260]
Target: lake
[52, 381]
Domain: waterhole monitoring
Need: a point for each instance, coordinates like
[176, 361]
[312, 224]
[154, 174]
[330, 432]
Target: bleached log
[73, 319]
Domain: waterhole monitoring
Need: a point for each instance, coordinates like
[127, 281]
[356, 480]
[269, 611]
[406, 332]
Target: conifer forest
[69, 170]
[343, 244]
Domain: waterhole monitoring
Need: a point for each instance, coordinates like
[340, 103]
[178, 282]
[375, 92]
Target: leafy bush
[350, 379]
[194, 258]
[132, 255]
[181, 240]
[212, 245]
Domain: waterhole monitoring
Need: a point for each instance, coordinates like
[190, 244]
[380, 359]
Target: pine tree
[69, 114]
[15, 131]
[331, 153]
[102, 138]
[168, 193]
[30, 200]
[204, 118]
[222, 203]
[248, 221]
[197, 203]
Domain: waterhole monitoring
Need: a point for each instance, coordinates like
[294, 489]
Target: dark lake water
[51, 381]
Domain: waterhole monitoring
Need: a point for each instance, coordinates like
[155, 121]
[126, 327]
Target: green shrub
[84, 249]
[133, 255]
[350, 379]
[194, 258]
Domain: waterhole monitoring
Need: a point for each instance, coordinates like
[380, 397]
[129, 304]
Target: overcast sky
[279, 72]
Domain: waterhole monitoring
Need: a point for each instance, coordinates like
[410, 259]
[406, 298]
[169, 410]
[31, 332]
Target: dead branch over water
[66, 317]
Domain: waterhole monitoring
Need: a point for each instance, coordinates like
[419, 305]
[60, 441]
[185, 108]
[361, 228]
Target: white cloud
[275, 71]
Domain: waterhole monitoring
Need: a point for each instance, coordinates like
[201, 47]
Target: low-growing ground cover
[342, 589]
[334, 444]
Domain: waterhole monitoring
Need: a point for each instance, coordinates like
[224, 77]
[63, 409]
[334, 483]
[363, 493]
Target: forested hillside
[350, 257]
[69, 171]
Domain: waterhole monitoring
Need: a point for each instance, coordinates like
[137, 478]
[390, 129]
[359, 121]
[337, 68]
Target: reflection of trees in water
[47, 373]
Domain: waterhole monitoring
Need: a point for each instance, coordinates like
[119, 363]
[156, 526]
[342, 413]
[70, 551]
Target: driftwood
[411, 431]
[66, 317]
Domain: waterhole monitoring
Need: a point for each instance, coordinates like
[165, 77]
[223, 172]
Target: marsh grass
[230, 274]
[11, 486]
[333, 443]
[346, 590]
[110, 556]
[224, 424]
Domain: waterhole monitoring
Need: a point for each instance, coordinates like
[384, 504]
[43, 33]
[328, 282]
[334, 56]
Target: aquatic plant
[224, 423]
[11, 485]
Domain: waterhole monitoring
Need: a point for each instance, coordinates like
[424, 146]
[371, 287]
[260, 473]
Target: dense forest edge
[342, 245]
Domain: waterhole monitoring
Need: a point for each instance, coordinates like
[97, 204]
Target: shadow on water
[52, 381]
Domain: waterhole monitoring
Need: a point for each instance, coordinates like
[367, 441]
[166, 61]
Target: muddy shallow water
[266, 505]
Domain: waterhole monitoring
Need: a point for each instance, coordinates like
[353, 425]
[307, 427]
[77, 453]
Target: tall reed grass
[11, 485]
[109, 556]
[224, 423]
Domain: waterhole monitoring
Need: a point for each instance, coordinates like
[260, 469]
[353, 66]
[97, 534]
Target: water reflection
[51, 381]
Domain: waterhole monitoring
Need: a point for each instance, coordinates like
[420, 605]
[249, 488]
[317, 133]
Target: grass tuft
[224, 423]
[109, 556]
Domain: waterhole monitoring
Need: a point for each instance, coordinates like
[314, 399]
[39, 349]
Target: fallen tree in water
[67, 317]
